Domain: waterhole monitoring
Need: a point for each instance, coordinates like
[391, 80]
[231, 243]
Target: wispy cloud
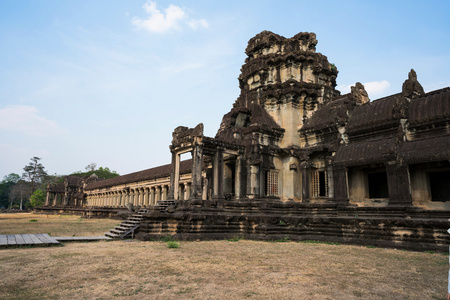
[173, 18]
[26, 119]
[375, 89]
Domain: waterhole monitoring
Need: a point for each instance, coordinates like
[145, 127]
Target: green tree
[34, 173]
[6, 185]
[37, 198]
[104, 173]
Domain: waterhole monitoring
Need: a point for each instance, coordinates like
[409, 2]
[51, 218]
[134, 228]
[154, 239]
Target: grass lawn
[216, 270]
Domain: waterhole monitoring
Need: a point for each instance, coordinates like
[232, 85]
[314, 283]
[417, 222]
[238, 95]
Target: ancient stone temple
[295, 158]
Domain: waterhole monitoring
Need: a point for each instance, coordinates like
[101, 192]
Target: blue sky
[108, 81]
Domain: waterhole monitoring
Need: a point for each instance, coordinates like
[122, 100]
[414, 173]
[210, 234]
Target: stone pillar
[187, 191]
[152, 196]
[158, 193]
[239, 182]
[196, 186]
[205, 189]
[340, 185]
[47, 200]
[140, 197]
[146, 197]
[399, 184]
[124, 199]
[305, 168]
[164, 192]
[253, 182]
[55, 198]
[218, 175]
[174, 176]
[135, 197]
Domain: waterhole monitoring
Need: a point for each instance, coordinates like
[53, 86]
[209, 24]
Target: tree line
[30, 189]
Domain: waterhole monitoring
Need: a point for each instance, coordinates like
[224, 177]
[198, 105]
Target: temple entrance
[229, 178]
[378, 185]
[440, 185]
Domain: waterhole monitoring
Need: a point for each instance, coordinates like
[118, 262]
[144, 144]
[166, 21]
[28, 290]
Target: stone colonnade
[54, 198]
[139, 196]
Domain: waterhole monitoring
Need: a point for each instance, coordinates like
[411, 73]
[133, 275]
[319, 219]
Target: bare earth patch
[219, 270]
[55, 225]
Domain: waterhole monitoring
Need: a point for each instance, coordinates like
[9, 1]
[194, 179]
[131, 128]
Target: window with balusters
[272, 183]
[319, 184]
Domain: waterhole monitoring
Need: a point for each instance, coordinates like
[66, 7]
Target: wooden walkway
[13, 240]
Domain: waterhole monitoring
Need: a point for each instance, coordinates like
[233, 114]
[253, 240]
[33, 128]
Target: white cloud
[26, 119]
[160, 22]
[375, 89]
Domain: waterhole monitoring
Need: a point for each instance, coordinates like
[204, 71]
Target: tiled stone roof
[153, 173]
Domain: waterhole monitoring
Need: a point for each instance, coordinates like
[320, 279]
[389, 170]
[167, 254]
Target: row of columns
[53, 199]
[197, 191]
[141, 196]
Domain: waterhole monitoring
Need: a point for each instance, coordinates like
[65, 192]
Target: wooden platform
[13, 240]
[27, 239]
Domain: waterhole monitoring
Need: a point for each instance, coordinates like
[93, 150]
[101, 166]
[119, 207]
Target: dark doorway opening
[440, 186]
[378, 186]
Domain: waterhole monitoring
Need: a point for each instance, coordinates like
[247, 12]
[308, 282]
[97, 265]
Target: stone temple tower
[283, 82]
[288, 79]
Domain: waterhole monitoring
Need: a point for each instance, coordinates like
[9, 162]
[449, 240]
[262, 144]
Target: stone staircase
[166, 205]
[127, 227]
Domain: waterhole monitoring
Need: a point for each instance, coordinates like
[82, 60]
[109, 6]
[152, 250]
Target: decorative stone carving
[359, 94]
[411, 87]
[182, 135]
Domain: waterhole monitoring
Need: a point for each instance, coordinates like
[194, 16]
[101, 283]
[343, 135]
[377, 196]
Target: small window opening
[272, 183]
[320, 184]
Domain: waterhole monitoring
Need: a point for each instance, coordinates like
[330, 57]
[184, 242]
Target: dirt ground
[219, 270]
[54, 225]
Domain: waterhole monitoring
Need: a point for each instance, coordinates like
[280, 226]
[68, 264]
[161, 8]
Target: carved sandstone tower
[288, 79]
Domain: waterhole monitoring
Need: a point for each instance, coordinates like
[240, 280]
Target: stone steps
[126, 227]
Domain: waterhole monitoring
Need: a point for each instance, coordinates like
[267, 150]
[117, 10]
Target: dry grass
[55, 225]
[220, 270]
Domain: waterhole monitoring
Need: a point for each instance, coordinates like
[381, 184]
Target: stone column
[55, 199]
[398, 184]
[135, 197]
[253, 182]
[116, 199]
[340, 185]
[174, 176]
[164, 192]
[196, 186]
[139, 197]
[47, 200]
[239, 181]
[218, 175]
[306, 195]
[158, 193]
[152, 196]
[187, 191]
[146, 197]
[124, 198]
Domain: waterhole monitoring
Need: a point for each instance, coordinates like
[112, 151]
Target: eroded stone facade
[291, 138]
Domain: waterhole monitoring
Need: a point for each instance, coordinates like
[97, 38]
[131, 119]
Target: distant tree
[37, 198]
[20, 191]
[6, 186]
[91, 167]
[13, 178]
[101, 172]
[34, 173]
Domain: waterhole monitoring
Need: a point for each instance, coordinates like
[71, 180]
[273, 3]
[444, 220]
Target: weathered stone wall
[400, 227]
